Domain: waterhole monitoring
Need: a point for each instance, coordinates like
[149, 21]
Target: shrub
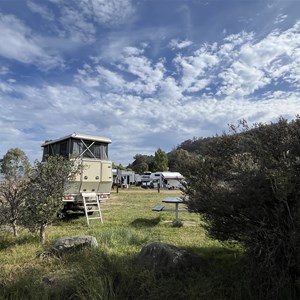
[45, 192]
[16, 167]
[247, 188]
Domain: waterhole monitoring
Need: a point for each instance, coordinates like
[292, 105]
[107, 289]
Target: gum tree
[160, 160]
[16, 167]
[45, 192]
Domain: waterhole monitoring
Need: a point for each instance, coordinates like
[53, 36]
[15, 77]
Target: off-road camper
[95, 178]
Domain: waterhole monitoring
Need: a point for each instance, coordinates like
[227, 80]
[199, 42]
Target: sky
[147, 74]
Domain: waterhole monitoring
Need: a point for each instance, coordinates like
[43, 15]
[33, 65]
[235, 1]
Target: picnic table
[172, 200]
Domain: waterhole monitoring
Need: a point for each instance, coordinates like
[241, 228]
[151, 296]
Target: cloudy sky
[145, 73]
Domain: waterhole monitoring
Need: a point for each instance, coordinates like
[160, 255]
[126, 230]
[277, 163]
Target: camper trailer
[168, 180]
[123, 178]
[91, 152]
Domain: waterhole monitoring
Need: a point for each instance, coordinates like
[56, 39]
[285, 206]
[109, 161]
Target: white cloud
[196, 69]
[255, 64]
[148, 74]
[170, 91]
[76, 25]
[18, 43]
[4, 70]
[41, 10]
[176, 44]
[113, 12]
[133, 73]
[79, 21]
[280, 18]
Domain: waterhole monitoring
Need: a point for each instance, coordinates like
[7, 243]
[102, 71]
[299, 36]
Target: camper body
[167, 180]
[123, 178]
[91, 153]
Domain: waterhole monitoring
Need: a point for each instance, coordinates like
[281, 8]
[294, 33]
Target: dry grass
[129, 223]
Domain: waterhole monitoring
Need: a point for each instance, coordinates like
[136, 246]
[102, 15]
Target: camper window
[56, 149]
[97, 150]
[63, 151]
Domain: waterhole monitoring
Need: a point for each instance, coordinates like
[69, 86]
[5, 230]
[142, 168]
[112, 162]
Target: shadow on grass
[102, 274]
[97, 274]
[68, 217]
[8, 240]
[217, 252]
[142, 222]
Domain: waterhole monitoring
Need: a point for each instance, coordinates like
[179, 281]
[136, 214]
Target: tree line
[168, 161]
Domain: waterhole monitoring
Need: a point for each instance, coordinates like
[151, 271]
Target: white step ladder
[91, 203]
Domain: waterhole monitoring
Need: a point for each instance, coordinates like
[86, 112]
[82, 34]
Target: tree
[16, 167]
[119, 167]
[15, 164]
[139, 164]
[150, 162]
[247, 189]
[177, 159]
[48, 182]
[160, 161]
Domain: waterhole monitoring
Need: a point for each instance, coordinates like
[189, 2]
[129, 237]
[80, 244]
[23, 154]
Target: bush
[248, 190]
[45, 192]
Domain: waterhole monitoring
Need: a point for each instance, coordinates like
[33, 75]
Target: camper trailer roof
[80, 137]
[172, 175]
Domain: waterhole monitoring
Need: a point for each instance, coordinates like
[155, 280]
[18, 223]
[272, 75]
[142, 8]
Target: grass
[110, 271]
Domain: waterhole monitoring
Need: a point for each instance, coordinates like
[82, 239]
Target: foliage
[196, 145]
[15, 164]
[177, 159]
[119, 167]
[140, 164]
[45, 192]
[143, 163]
[160, 161]
[12, 200]
[247, 189]
[15, 167]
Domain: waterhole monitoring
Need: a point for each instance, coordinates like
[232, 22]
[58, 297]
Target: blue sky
[145, 73]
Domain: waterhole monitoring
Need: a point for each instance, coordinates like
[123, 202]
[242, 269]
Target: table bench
[158, 208]
[172, 200]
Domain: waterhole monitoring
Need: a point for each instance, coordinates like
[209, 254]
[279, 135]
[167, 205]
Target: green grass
[110, 271]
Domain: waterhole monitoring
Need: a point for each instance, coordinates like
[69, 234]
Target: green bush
[247, 188]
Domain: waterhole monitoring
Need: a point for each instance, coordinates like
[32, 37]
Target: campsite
[150, 149]
[109, 271]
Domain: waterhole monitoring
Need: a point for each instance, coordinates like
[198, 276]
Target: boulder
[166, 257]
[69, 243]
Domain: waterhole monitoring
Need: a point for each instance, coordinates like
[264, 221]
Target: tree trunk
[14, 227]
[43, 233]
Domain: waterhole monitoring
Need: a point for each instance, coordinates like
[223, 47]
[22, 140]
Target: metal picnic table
[172, 200]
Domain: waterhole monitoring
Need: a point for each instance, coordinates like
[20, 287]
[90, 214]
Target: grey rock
[70, 243]
[166, 257]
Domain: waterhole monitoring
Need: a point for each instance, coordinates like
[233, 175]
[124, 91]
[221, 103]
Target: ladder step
[92, 204]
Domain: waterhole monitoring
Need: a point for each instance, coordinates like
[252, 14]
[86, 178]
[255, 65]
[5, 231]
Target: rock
[69, 243]
[165, 257]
